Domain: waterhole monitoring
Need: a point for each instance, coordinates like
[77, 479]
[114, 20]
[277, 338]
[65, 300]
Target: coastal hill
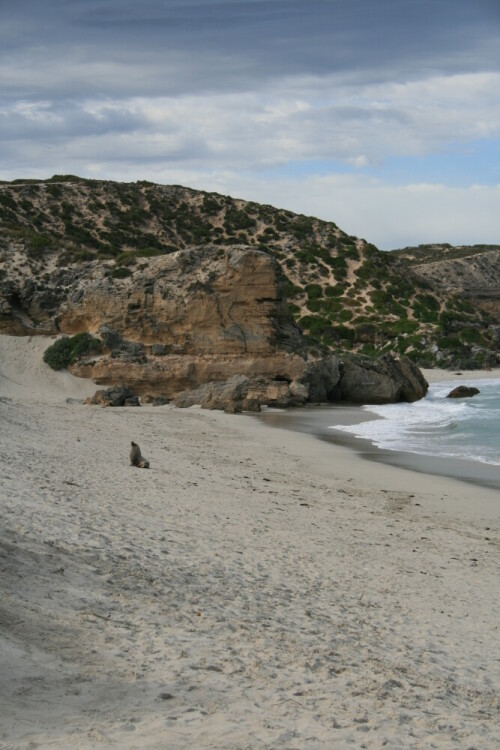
[436, 305]
[471, 272]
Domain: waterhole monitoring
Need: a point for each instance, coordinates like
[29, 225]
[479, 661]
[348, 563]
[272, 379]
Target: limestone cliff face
[205, 302]
[195, 317]
[183, 320]
[178, 321]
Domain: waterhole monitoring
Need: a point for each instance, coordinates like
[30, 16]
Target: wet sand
[321, 420]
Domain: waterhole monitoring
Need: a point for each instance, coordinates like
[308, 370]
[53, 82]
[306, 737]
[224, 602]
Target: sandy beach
[437, 375]
[256, 588]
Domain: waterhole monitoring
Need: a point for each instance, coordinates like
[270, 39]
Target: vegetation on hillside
[341, 290]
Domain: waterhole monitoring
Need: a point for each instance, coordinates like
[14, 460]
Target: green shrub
[314, 291]
[235, 220]
[293, 309]
[342, 333]
[428, 301]
[84, 343]
[129, 258]
[66, 350]
[291, 290]
[7, 199]
[403, 325]
[302, 228]
[314, 305]
[339, 266]
[471, 336]
[333, 305]
[449, 342]
[125, 259]
[323, 270]
[462, 305]
[351, 252]
[385, 304]
[335, 291]
[421, 358]
[344, 316]
[426, 316]
[210, 205]
[369, 350]
[58, 356]
[152, 252]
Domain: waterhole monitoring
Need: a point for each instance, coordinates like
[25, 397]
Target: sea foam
[439, 426]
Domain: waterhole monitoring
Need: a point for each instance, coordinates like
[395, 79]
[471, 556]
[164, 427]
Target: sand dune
[254, 589]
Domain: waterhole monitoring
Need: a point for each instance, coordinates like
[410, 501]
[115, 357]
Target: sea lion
[135, 457]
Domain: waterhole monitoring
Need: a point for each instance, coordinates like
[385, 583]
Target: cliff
[342, 292]
[213, 316]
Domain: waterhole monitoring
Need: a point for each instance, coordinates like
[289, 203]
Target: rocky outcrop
[380, 381]
[357, 381]
[231, 396]
[204, 302]
[463, 391]
[118, 396]
[243, 393]
[211, 324]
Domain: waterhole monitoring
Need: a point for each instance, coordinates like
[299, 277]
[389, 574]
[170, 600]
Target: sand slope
[254, 589]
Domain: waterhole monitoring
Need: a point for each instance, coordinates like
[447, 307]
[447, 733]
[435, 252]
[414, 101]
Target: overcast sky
[380, 115]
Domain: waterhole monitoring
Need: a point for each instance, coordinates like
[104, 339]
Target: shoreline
[315, 420]
[319, 422]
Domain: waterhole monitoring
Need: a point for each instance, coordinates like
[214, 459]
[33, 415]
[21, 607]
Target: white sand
[438, 375]
[254, 589]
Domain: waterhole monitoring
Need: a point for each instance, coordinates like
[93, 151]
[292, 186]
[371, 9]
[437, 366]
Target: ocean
[438, 426]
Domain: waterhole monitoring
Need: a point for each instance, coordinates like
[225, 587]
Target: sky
[380, 115]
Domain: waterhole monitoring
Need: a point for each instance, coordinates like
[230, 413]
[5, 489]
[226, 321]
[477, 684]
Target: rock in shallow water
[463, 391]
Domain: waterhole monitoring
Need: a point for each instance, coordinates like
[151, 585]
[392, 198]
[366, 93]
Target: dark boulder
[358, 380]
[384, 380]
[322, 378]
[119, 395]
[463, 391]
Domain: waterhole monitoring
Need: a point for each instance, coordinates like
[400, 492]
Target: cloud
[81, 48]
[303, 119]
[254, 95]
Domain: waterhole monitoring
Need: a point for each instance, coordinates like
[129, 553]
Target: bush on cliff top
[67, 349]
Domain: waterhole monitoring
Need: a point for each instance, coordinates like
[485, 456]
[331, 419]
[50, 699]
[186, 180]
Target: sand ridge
[253, 589]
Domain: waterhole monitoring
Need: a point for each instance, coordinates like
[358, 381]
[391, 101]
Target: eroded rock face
[243, 393]
[203, 302]
[211, 324]
[188, 319]
[380, 381]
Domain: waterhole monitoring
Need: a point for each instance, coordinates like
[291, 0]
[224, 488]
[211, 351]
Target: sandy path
[254, 589]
